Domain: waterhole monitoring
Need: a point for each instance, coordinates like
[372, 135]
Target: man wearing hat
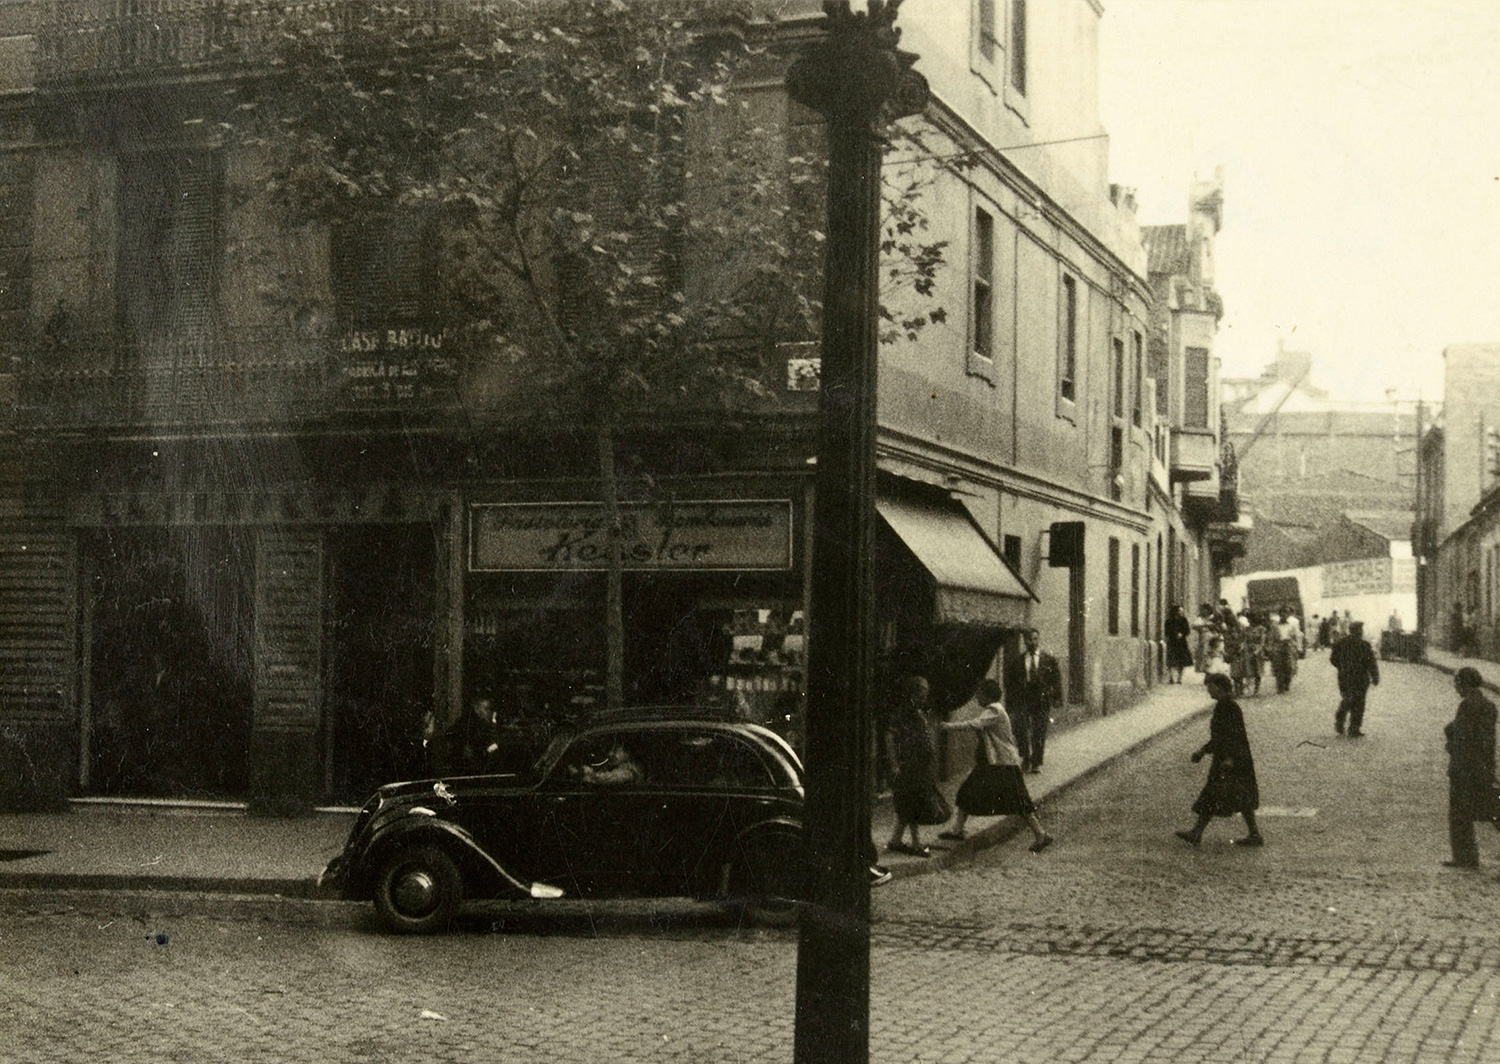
[1358, 671]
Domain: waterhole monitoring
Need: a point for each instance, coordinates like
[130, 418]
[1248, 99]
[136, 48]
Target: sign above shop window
[697, 534]
[397, 367]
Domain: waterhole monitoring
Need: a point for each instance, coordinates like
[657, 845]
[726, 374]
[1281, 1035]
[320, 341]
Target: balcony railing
[253, 378]
[115, 38]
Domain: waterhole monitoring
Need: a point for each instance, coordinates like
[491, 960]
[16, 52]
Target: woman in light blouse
[996, 786]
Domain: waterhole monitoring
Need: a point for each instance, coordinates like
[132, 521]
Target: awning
[975, 584]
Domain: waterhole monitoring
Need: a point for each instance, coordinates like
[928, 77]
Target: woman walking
[1255, 653]
[1179, 653]
[1231, 788]
[915, 791]
[996, 786]
[1471, 767]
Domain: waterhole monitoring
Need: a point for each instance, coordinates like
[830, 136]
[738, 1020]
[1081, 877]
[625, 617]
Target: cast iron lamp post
[857, 79]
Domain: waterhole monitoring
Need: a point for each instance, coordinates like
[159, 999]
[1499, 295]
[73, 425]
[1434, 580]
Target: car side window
[719, 761]
[604, 760]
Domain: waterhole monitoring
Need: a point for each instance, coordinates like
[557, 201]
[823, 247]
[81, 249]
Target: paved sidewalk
[1449, 662]
[227, 853]
[1073, 754]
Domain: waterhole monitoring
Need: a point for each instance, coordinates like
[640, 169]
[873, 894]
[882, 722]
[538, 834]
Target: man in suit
[1033, 685]
[1358, 670]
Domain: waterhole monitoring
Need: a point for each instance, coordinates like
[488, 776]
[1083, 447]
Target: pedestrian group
[1230, 650]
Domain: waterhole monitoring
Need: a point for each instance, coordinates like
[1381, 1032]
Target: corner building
[268, 530]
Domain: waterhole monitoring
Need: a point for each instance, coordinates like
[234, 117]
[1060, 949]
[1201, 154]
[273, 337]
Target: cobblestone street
[1343, 940]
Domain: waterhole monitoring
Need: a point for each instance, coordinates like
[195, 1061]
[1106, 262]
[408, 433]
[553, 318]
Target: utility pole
[855, 76]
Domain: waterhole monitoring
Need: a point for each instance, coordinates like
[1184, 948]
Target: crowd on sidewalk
[1239, 645]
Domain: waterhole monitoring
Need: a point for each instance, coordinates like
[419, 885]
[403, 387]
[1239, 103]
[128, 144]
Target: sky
[1360, 141]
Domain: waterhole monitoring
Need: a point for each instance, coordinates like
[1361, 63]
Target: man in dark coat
[1471, 767]
[1033, 686]
[1358, 670]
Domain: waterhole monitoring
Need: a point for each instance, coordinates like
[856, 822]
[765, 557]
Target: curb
[145, 906]
[305, 889]
[1488, 685]
[300, 902]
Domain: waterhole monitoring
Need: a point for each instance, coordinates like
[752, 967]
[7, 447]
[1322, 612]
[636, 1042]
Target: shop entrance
[382, 598]
[170, 665]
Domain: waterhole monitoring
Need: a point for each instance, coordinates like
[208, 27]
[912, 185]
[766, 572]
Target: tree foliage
[618, 222]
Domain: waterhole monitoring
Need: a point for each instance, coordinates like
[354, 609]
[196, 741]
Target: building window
[1156, 350]
[1010, 549]
[385, 270]
[1161, 606]
[1018, 45]
[984, 284]
[1117, 463]
[1067, 384]
[1135, 589]
[1114, 586]
[1117, 349]
[1137, 383]
[984, 30]
[1195, 388]
[167, 266]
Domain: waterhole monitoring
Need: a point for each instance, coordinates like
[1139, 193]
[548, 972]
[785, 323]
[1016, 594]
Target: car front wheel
[418, 891]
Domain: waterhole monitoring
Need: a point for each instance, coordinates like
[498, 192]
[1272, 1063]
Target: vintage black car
[637, 804]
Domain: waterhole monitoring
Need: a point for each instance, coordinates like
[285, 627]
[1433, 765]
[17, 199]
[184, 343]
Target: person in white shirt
[995, 787]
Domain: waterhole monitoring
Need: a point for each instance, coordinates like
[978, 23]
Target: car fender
[746, 841]
[748, 836]
[419, 827]
[773, 824]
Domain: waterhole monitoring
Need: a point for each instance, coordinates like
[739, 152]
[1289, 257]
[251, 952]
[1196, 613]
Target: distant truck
[1274, 594]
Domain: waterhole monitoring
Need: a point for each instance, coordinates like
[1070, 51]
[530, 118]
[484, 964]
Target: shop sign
[407, 366]
[1367, 576]
[698, 534]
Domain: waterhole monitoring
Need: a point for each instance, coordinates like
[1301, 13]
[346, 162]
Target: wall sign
[696, 534]
[1366, 576]
[398, 367]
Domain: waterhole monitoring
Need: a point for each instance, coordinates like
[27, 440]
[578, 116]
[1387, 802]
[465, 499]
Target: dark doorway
[171, 663]
[382, 600]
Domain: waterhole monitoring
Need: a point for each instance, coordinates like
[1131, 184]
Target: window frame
[1112, 608]
[1117, 369]
[986, 48]
[173, 296]
[982, 293]
[1135, 590]
[1138, 384]
[1192, 418]
[1018, 28]
[1067, 345]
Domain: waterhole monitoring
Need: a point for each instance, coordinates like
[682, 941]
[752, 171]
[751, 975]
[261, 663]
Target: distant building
[1457, 528]
[1306, 459]
[1193, 472]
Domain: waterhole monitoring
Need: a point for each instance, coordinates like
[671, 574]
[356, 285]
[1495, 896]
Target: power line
[1008, 147]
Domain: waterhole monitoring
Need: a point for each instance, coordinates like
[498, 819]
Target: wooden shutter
[1195, 388]
[288, 668]
[38, 624]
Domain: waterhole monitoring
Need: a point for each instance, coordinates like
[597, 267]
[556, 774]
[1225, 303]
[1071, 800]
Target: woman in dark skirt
[1179, 654]
[996, 786]
[1231, 788]
[914, 792]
